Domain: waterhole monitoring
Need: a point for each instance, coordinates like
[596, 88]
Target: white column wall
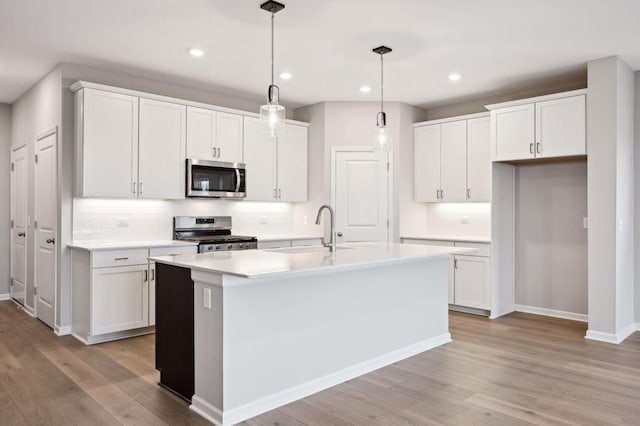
[5, 197]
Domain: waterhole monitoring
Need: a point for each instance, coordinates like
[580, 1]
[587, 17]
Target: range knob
[230, 246]
[218, 247]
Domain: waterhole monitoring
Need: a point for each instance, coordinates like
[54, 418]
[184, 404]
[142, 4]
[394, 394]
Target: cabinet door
[152, 293]
[560, 127]
[292, 164]
[427, 163]
[201, 126]
[119, 299]
[259, 156]
[229, 137]
[109, 144]
[161, 163]
[512, 133]
[478, 160]
[453, 147]
[472, 281]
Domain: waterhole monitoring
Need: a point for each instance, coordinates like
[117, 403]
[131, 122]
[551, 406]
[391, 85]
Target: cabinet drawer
[306, 242]
[484, 249]
[428, 242]
[273, 244]
[109, 258]
[172, 251]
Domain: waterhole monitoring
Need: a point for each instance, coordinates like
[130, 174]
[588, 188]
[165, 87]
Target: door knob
[339, 234]
[51, 240]
[21, 234]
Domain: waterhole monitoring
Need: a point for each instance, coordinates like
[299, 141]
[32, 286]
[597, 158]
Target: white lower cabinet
[114, 291]
[119, 298]
[272, 244]
[469, 274]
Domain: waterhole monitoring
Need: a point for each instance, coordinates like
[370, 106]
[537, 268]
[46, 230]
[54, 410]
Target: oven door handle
[237, 181]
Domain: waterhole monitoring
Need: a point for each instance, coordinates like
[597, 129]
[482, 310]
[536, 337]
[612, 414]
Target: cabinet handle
[455, 263]
[153, 275]
[214, 152]
[275, 193]
[538, 150]
[134, 187]
[144, 280]
[140, 188]
[468, 193]
[279, 192]
[121, 258]
[219, 154]
[442, 194]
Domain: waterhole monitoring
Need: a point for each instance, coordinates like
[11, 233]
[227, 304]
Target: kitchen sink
[306, 249]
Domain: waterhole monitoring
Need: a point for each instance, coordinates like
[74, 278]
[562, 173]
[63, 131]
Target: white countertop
[274, 262]
[284, 237]
[97, 245]
[460, 238]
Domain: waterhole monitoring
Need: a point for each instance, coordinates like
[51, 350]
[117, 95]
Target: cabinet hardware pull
[442, 194]
[538, 150]
[455, 263]
[144, 280]
[134, 187]
[468, 193]
[531, 148]
[437, 193]
[275, 193]
[219, 154]
[51, 240]
[214, 152]
[121, 258]
[279, 192]
[140, 188]
[153, 275]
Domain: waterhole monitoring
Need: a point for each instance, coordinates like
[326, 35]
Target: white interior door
[19, 191]
[361, 182]
[46, 219]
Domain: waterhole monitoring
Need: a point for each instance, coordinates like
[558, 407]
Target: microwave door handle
[237, 181]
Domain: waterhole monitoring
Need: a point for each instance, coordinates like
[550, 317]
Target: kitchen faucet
[332, 238]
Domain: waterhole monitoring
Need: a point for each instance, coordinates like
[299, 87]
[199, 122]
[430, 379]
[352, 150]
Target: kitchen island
[274, 326]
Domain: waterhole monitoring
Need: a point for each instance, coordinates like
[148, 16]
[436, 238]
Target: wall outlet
[305, 220]
[464, 220]
[206, 298]
[263, 220]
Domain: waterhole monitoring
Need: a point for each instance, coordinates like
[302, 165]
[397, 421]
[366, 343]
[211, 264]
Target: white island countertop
[456, 238]
[302, 260]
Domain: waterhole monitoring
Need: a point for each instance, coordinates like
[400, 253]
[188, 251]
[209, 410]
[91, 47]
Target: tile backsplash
[110, 220]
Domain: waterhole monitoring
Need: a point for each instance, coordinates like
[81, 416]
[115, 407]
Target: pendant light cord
[273, 15]
[381, 83]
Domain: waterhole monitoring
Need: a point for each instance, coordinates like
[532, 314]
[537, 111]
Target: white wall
[37, 111]
[5, 194]
[551, 242]
[610, 198]
[637, 201]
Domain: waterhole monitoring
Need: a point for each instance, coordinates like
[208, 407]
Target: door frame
[334, 157]
[12, 219]
[43, 135]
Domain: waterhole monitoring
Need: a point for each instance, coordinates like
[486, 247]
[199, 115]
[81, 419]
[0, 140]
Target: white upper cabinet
[162, 152]
[452, 160]
[276, 169]
[427, 163]
[512, 133]
[214, 135]
[550, 126]
[478, 159]
[561, 127]
[229, 137]
[292, 164]
[453, 147]
[107, 144]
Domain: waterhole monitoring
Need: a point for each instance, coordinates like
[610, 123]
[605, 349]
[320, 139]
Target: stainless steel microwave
[216, 179]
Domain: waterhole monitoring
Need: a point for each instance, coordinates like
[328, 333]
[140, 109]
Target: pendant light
[382, 138]
[272, 114]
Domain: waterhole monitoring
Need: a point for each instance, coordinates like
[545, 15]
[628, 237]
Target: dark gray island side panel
[174, 329]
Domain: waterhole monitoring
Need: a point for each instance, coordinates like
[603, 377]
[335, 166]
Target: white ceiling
[498, 45]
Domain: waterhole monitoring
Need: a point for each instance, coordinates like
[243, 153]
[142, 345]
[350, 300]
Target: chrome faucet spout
[332, 239]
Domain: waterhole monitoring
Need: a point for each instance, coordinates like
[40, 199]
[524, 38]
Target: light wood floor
[520, 369]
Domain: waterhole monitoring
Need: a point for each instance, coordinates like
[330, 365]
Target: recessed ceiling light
[455, 76]
[194, 51]
[286, 75]
[365, 89]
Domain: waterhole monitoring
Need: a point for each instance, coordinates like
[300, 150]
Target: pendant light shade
[272, 114]
[382, 138]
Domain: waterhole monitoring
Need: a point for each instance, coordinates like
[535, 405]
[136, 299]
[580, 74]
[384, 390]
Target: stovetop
[218, 239]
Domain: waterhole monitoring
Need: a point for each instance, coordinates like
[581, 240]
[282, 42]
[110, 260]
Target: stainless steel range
[212, 233]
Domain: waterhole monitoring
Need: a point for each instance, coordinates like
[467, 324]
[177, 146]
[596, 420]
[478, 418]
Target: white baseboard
[552, 313]
[108, 337]
[5, 296]
[62, 331]
[270, 402]
[614, 338]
